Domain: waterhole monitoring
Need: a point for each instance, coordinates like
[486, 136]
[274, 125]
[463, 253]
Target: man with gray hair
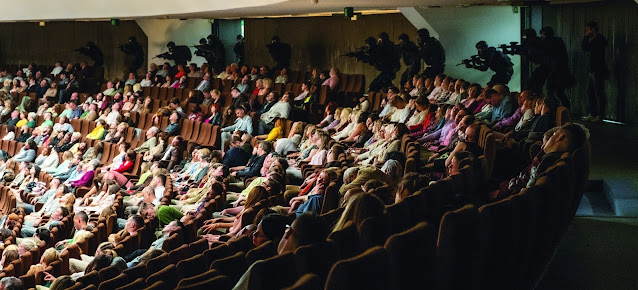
[150, 142]
[10, 283]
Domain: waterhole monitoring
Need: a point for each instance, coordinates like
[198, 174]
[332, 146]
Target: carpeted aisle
[596, 253]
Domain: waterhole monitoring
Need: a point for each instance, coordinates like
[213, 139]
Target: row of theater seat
[461, 232]
[176, 248]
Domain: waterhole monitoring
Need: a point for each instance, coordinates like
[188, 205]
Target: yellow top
[21, 123]
[97, 133]
[275, 133]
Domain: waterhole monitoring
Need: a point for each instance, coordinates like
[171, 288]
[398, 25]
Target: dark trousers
[382, 81]
[500, 78]
[536, 80]
[596, 94]
[409, 73]
[556, 88]
[264, 128]
[63, 96]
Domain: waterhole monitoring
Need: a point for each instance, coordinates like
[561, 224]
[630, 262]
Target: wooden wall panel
[23, 43]
[320, 41]
[618, 21]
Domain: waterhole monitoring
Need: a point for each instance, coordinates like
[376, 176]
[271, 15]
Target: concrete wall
[459, 29]
[228, 31]
[182, 32]
[187, 32]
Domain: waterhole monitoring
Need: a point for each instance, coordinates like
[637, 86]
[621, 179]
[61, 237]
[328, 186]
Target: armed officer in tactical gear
[180, 54]
[218, 51]
[556, 65]
[432, 53]
[134, 54]
[531, 49]
[411, 58]
[385, 58]
[92, 51]
[280, 52]
[497, 61]
[239, 50]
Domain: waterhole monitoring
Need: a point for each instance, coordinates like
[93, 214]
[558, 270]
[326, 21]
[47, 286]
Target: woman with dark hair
[271, 228]
[228, 117]
[168, 81]
[117, 173]
[196, 114]
[9, 255]
[29, 182]
[158, 80]
[24, 134]
[146, 106]
[66, 142]
[313, 201]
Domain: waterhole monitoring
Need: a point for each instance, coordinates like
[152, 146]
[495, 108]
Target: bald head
[470, 133]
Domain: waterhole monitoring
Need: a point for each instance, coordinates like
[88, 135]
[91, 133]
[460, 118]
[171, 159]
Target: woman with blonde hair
[6, 86]
[162, 139]
[216, 99]
[266, 89]
[317, 155]
[359, 127]
[344, 120]
[119, 135]
[67, 156]
[359, 208]
[306, 144]
[341, 118]
[49, 256]
[259, 84]
[290, 144]
[233, 224]
[9, 255]
[9, 106]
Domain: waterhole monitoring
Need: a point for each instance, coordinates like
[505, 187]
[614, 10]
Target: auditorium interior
[319, 144]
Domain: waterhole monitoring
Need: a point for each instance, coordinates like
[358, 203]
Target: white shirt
[302, 96]
[111, 118]
[118, 160]
[56, 70]
[168, 153]
[385, 110]
[278, 110]
[9, 136]
[146, 83]
[159, 192]
[435, 93]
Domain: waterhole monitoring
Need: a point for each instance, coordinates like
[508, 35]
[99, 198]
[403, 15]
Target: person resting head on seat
[270, 228]
[308, 228]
